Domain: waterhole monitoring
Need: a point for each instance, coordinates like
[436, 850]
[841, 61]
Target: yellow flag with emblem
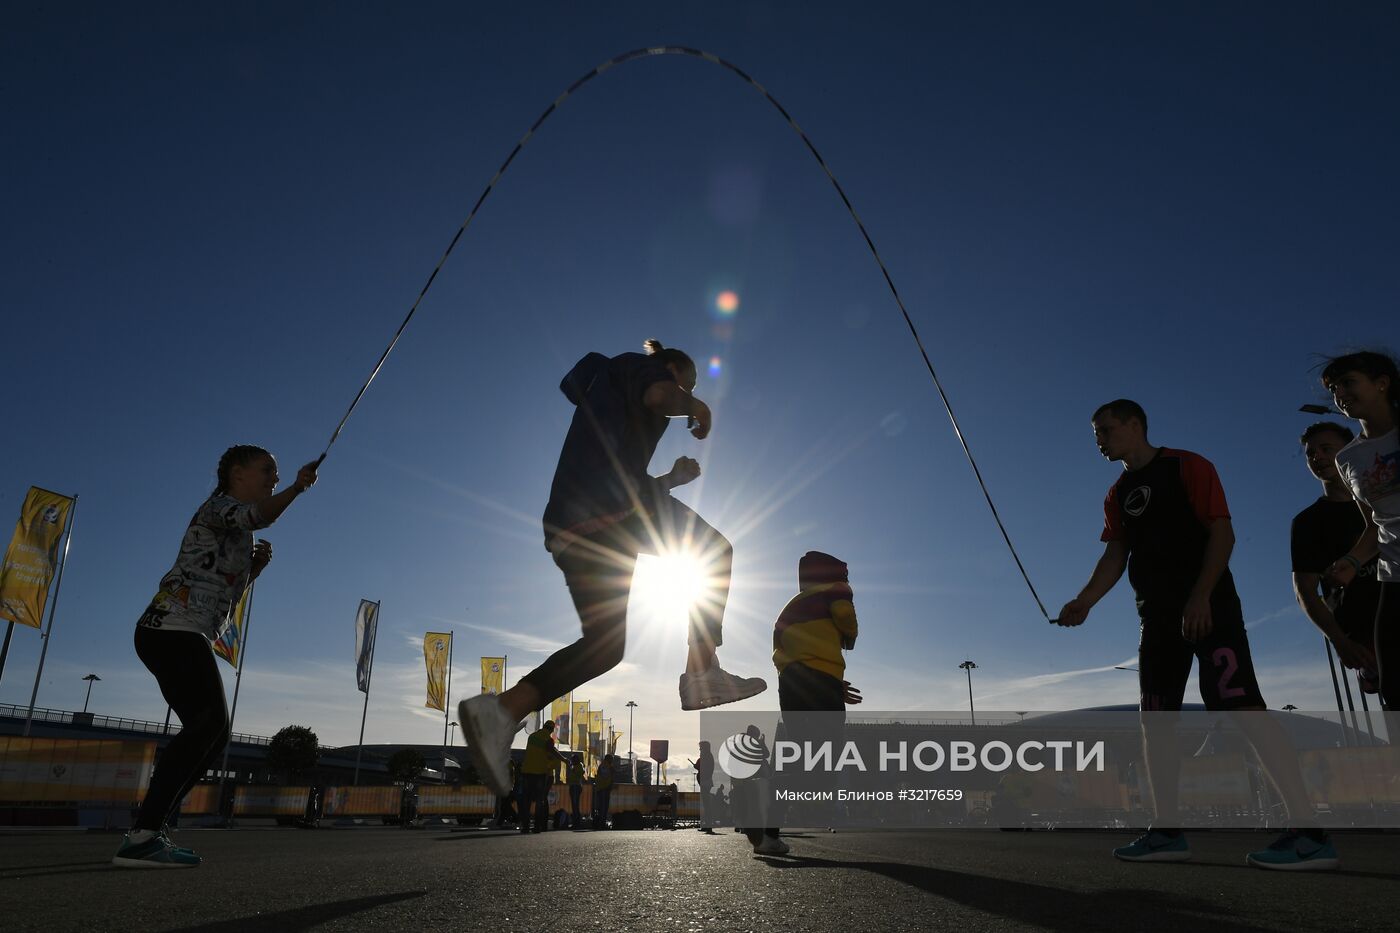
[29, 561]
[493, 676]
[436, 647]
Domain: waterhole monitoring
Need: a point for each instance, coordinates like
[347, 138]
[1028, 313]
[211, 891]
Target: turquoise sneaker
[164, 834]
[156, 852]
[1295, 852]
[1153, 846]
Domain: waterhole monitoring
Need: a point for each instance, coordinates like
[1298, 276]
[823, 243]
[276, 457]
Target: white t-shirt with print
[1371, 468]
[211, 571]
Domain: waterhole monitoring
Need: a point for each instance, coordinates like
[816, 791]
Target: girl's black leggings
[184, 666]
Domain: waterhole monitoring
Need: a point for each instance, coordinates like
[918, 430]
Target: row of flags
[33, 556]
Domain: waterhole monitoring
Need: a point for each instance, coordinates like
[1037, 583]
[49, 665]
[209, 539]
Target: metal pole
[631, 757]
[447, 698]
[968, 665]
[972, 710]
[237, 682]
[369, 676]
[4, 652]
[91, 678]
[53, 607]
[1336, 688]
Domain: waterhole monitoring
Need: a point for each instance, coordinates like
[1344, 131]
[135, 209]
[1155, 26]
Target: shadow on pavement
[302, 918]
[1047, 907]
[65, 868]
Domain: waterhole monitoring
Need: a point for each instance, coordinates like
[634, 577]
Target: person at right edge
[1166, 522]
[1366, 386]
[604, 510]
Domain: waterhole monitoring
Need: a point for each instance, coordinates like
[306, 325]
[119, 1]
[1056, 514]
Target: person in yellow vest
[537, 772]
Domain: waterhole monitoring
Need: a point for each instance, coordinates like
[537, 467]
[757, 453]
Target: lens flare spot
[727, 302]
[716, 366]
[666, 586]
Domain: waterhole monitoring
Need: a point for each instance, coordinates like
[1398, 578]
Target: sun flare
[666, 586]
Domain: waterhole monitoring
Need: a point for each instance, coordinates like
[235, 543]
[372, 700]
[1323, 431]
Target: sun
[666, 586]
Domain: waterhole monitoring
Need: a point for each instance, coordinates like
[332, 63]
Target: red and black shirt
[1163, 513]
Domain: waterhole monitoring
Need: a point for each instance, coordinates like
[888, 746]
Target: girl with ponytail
[218, 558]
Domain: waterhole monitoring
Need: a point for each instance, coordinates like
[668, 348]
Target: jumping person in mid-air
[174, 637]
[1366, 386]
[1166, 522]
[604, 510]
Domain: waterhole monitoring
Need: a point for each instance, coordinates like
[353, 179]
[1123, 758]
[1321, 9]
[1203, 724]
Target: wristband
[1355, 564]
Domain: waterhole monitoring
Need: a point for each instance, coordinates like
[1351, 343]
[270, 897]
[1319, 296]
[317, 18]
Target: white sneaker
[488, 731]
[771, 846]
[716, 686]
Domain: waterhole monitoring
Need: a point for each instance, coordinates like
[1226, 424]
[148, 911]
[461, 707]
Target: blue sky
[217, 216]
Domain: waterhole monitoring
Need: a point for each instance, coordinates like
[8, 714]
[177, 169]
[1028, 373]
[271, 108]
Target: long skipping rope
[714, 59]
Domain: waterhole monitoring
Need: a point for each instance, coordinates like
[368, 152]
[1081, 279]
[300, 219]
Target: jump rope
[736, 70]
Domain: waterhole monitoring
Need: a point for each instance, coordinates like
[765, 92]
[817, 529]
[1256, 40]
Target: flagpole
[447, 705]
[5, 651]
[369, 675]
[53, 607]
[237, 682]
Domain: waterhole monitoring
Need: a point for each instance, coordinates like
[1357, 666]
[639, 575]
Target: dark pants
[600, 807]
[598, 571]
[536, 794]
[802, 689]
[1388, 645]
[575, 792]
[184, 667]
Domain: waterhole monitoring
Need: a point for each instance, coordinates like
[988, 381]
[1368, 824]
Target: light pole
[91, 678]
[631, 761]
[968, 666]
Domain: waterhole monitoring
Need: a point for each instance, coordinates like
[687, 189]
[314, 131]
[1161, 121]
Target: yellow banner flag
[436, 648]
[230, 643]
[578, 737]
[559, 712]
[595, 722]
[29, 562]
[493, 676]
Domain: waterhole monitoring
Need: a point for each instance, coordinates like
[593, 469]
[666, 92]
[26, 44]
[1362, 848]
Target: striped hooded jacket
[818, 622]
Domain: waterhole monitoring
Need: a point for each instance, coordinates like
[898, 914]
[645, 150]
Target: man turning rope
[604, 510]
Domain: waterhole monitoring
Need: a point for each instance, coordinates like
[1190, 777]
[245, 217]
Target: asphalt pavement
[388, 878]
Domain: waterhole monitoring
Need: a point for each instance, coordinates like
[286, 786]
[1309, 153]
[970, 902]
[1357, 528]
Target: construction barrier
[688, 806]
[341, 802]
[83, 772]
[1353, 778]
[202, 800]
[270, 801]
[455, 801]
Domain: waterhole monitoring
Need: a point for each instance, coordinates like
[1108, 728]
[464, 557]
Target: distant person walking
[217, 560]
[1366, 387]
[573, 776]
[602, 792]
[704, 777]
[603, 511]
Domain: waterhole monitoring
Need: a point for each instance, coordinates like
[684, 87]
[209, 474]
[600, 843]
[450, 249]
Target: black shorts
[1226, 670]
